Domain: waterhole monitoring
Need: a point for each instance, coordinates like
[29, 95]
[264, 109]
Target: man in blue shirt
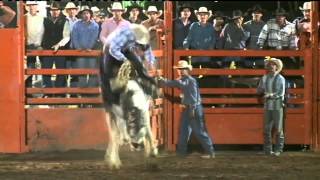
[192, 118]
[83, 37]
[201, 36]
[125, 43]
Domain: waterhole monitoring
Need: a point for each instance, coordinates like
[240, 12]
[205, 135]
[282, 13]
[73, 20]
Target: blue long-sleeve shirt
[200, 37]
[84, 35]
[189, 88]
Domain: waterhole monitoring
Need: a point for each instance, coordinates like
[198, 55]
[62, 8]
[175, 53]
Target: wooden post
[168, 108]
[316, 75]
[13, 126]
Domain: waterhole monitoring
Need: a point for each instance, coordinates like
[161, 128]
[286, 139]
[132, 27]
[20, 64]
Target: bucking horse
[128, 117]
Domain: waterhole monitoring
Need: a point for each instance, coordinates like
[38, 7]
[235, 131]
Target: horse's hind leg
[112, 151]
[146, 132]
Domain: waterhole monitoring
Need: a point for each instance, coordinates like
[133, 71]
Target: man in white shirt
[34, 33]
[71, 11]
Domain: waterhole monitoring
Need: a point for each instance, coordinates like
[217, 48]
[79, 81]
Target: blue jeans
[273, 119]
[197, 125]
[90, 63]
[47, 63]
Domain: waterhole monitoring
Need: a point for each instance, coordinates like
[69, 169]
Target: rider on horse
[126, 43]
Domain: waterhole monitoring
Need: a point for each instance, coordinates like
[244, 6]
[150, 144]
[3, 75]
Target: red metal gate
[244, 125]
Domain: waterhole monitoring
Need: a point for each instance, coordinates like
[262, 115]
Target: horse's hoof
[114, 166]
[154, 152]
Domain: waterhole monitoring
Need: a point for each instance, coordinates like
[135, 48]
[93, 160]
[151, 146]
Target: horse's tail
[103, 78]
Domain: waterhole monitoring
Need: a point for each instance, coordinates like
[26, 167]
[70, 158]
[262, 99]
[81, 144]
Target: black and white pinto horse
[129, 120]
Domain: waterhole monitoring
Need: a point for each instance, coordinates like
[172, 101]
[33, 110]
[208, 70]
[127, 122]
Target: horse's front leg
[150, 147]
[124, 137]
[112, 151]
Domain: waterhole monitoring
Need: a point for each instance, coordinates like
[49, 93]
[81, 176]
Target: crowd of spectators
[88, 28]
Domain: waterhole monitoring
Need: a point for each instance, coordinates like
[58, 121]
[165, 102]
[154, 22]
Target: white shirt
[66, 34]
[35, 29]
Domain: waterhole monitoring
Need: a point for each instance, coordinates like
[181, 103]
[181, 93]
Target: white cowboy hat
[70, 5]
[203, 10]
[28, 3]
[117, 6]
[95, 10]
[278, 63]
[182, 64]
[153, 9]
[141, 33]
[31, 3]
[306, 6]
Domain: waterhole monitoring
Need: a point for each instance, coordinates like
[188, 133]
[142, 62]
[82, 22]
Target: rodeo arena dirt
[89, 165]
[148, 90]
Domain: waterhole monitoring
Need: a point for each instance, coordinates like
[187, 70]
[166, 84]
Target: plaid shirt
[276, 37]
[123, 38]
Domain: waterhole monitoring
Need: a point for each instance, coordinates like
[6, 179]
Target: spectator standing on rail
[56, 36]
[154, 24]
[83, 37]
[182, 25]
[34, 34]
[135, 12]
[254, 27]
[278, 33]
[303, 24]
[201, 36]
[111, 24]
[71, 12]
[234, 37]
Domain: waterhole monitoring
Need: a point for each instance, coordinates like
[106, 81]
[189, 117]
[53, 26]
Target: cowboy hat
[116, 6]
[134, 6]
[182, 64]
[95, 10]
[54, 6]
[184, 6]
[236, 14]
[280, 12]
[152, 9]
[276, 61]
[86, 8]
[70, 5]
[203, 10]
[141, 33]
[306, 6]
[29, 3]
[219, 14]
[256, 8]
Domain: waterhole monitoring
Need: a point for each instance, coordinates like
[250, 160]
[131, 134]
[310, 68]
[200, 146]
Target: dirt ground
[89, 165]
